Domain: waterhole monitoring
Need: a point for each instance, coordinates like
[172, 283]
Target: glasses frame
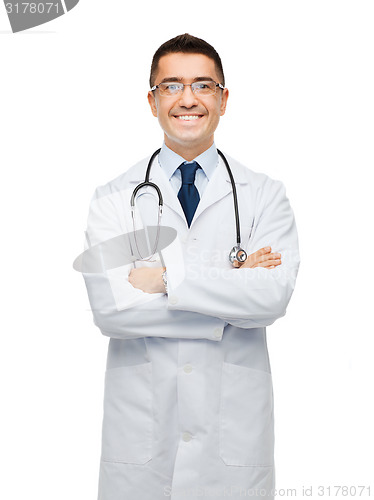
[218, 85]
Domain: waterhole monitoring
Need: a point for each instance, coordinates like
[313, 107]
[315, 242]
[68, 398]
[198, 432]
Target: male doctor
[188, 405]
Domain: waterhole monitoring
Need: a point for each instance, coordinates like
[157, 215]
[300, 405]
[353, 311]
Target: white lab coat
[188, 404]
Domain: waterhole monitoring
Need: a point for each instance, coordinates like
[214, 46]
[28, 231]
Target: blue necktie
[188, 194]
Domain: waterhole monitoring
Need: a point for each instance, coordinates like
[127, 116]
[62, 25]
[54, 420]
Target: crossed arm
[149, 280]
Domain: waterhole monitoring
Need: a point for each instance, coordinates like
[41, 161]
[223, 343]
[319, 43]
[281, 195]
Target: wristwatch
[165, 280]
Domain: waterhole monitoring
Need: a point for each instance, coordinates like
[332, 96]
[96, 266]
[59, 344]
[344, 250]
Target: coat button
[173, 300]
[186, 437]
[217, 333]
[187, 369]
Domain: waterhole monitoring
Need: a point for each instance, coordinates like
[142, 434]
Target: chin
[189, 138]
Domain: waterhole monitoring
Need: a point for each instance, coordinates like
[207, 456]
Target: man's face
[188, 120]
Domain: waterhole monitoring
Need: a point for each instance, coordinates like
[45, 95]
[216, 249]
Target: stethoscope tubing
[234, 195]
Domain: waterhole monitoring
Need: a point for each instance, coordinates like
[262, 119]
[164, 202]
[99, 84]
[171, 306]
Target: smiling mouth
[188, 117]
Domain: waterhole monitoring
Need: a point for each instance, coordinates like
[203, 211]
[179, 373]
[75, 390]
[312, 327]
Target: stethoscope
[236, 254]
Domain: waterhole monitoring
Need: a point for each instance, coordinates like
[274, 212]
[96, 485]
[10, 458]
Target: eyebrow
[180, 79]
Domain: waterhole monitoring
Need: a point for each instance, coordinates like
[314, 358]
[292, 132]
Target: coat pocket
[246, 417]
[128, 416]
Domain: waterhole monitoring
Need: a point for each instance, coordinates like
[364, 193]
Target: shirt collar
[170, 161]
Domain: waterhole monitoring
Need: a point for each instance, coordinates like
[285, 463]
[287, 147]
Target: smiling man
[188, 406]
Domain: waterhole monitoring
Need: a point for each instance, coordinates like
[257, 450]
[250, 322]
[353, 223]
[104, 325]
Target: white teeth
[188, 117]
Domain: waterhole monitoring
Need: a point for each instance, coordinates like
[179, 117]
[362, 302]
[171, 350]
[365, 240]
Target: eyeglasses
[171, 89]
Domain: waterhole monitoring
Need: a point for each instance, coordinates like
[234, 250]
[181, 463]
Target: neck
[189, 152]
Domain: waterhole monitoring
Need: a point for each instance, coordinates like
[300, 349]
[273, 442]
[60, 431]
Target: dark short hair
[186, 44]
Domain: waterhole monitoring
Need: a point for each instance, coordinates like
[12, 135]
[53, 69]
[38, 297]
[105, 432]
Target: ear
[152, 103]
[224, 97]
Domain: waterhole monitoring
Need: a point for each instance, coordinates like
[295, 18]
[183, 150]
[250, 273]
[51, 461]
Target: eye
[172, 87]
[202, 85]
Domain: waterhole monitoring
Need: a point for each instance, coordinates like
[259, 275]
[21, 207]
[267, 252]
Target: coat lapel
[158, 176]
[219, 186]
[169, 196]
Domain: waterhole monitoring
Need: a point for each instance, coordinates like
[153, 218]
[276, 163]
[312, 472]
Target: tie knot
[188, 171]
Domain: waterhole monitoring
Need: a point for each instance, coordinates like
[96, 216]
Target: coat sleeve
[122, 311]
[248, 298]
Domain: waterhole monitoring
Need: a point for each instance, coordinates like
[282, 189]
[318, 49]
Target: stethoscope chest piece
[237, 254]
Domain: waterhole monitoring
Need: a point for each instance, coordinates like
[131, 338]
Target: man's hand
[148, 279]
[262, 258]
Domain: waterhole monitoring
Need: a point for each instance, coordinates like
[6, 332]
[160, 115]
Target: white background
[74, 115]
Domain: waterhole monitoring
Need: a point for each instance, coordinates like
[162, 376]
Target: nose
[187, 98]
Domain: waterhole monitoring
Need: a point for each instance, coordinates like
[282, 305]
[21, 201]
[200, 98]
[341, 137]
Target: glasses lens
[204, 88]
[170, 88]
